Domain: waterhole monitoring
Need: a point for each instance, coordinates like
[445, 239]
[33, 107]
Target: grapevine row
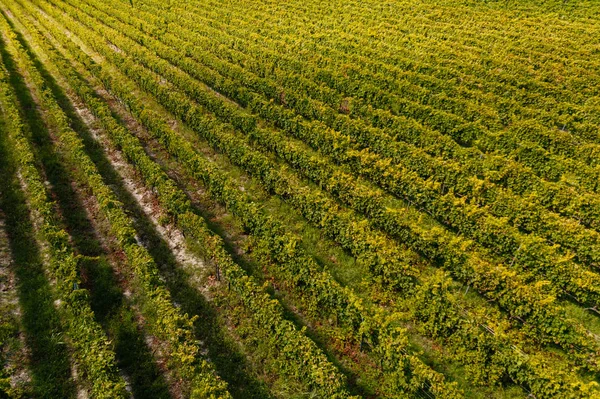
[120, 86]
[585, 208]
[261, 167]
[196, 228]
[560, 93]
[91, 348]
[533, 253]
[174, 327]
[468, 132]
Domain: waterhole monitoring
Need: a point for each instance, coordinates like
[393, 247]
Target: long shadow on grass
[107, 301]
[230, 364]
[49, 361]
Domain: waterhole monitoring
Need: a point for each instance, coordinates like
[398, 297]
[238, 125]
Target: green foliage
[93, 353]
[492, 196]
[91, 347]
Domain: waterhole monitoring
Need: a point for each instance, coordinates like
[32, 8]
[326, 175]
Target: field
[299, 199]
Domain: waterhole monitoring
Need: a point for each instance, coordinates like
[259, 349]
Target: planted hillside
[262, 199]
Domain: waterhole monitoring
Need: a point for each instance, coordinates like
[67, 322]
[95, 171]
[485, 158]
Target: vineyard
[299, 199]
